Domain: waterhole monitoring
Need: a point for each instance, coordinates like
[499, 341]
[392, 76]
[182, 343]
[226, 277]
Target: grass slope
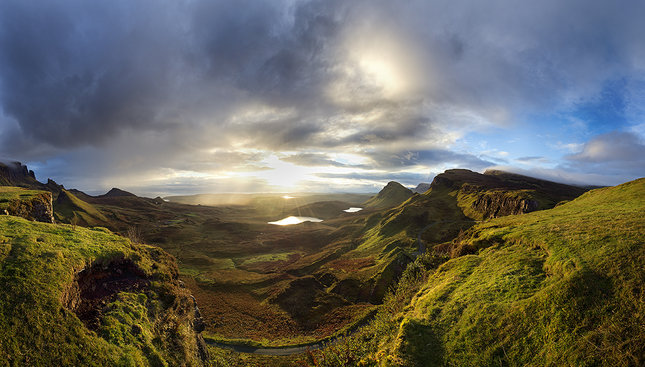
[38, 326]
[69, 208]
[555, 287]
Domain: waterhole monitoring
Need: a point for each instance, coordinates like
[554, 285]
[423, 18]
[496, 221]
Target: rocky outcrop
[497, 193]
[15, 173]
[34, 207]
[499, 204]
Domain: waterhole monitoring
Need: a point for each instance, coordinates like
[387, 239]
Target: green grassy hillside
[86, 297]
[70, 209]
[390, 239]
[390, 196]
[556, 287]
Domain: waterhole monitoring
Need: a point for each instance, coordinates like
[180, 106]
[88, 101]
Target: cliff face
[496, 193]
[15, 172]
[499, 204]
[29, 204]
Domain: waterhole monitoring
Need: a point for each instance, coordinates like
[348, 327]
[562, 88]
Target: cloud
[133, 88]
[624, 147]
[316, 159]
[429, 158]
[607, 159]
[532, 159]
[620, 156]
[378, 179]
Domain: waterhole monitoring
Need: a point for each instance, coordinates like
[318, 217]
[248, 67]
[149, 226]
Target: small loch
[295, 220]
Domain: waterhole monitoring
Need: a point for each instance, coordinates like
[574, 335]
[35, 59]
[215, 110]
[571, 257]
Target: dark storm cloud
[75, 72]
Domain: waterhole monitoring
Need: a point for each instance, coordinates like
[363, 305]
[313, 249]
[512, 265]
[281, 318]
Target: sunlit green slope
[556, 287]
[86, 297]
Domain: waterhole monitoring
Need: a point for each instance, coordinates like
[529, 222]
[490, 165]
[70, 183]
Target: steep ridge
[70, 209]
[497, 193]
[17, 174]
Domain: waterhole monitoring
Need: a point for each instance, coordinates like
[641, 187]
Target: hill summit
[116, 192]
[391, 195]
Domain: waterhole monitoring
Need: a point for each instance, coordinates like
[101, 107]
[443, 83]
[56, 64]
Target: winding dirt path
[271, 351]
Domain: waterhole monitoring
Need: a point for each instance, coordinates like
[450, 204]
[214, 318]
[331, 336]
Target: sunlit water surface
[295, 220]
[352, 210]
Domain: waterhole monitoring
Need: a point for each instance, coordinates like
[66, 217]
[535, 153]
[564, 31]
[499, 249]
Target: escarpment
[498, 204]
[497, 193]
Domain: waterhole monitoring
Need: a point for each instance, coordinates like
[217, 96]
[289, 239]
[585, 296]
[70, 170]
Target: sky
[195, 96]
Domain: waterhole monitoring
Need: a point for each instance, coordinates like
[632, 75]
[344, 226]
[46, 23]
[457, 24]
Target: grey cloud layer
[157, 83]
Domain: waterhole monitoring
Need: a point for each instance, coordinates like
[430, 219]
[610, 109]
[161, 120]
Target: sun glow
[283, 175]
[384, 72]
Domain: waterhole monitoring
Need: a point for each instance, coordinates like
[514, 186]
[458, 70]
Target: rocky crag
[28, 204]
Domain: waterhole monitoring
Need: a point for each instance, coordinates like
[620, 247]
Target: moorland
[479, 269]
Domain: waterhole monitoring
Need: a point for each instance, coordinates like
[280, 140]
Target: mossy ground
[38, 263]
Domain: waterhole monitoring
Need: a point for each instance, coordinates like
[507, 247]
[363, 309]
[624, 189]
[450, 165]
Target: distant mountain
[421, 188]
[116, 192]
[390, 196]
